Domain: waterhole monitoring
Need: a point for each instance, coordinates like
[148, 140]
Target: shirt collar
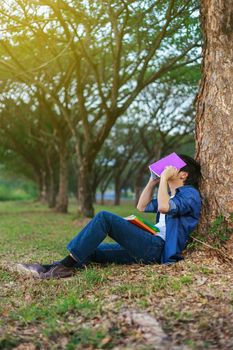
[184, 187]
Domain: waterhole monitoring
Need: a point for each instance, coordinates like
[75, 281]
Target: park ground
[188, 305]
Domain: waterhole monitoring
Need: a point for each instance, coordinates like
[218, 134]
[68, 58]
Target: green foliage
[7, 194]
[69, 69]
[219, 231]
[218, 234]
[18, 191]
[187, 75]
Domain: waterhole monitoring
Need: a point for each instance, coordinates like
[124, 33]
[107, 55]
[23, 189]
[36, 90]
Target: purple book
[172, 159]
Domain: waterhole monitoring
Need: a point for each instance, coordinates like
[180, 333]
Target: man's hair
[193, 169]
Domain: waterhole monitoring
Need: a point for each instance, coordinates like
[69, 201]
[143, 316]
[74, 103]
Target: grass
[84, 312]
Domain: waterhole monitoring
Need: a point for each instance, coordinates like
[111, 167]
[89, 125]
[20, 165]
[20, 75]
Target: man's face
[182, 175]
[173, 174]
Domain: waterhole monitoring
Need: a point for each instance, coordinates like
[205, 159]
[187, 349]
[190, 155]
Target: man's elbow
[140, 208]
[163, 209]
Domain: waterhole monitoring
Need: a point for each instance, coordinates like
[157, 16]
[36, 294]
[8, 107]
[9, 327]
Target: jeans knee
[104, 215]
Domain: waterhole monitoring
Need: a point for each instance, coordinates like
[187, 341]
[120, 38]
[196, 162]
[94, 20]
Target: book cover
[142, 223]
[172, 159]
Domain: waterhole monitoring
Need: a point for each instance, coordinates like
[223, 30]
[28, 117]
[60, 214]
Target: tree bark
[51, 193]
[94, 189]
[94, 197]
[117, 185]
[51, 186]
[62, 200]
[85, 192]
[137, 188]
[103, 187]
[77, 186]
[42, 187]
[214, 120]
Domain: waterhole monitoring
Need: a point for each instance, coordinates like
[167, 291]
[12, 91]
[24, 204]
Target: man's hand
[169, 172]
[154, 181]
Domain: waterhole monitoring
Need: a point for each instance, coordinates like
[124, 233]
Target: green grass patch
[8, 342]
[87, 337]
[167, 282]
[92, 277]
[131, 290]
[49, 312]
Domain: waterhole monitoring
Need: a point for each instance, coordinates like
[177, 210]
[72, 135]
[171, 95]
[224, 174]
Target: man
[177, 206]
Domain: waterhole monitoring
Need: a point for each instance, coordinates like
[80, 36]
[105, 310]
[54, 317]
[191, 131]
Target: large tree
[97, 57]
[27, 148]
[214, 121]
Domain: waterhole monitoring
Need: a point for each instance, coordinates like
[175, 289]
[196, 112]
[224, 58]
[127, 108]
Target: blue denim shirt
[181, 219]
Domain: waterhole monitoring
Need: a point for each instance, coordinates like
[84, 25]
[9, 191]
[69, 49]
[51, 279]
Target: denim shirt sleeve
[152, 206]
[180, 205]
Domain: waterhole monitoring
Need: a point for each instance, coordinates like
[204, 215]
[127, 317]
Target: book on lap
[158, 167]
[142, 223]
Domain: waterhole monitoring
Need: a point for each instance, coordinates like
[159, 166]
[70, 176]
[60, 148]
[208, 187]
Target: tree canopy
[82, 64]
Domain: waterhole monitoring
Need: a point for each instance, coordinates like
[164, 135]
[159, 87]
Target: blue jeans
[134, 245]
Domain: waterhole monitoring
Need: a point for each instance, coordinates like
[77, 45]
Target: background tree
[28, 116]
[110, 52]
[28, 148]
[102, 170]
[165, 119]
[214, 121]
[160, 121]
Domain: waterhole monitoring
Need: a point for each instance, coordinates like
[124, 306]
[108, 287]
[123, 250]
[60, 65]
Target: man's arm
[163, 195]
[147, 194]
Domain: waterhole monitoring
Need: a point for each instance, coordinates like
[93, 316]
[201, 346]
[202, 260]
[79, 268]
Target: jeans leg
[112, 253]
[109, 253]
[139, 243]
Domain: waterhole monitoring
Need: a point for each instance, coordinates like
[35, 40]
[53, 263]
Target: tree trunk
[42, 187]
[214, 120]
[117, 199]
[62, 200]
[94, 190]
[94, 197]
[103, 188]
[77, 187]
[102, 198]
[51, 193]
[51, 188]
[126, 192]
[137, 189]
[138, 182]
[85, 193]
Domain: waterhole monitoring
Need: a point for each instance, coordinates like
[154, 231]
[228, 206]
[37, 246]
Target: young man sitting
[177, 206]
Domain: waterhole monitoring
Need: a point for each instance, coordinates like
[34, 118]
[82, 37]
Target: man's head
[191, 172]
